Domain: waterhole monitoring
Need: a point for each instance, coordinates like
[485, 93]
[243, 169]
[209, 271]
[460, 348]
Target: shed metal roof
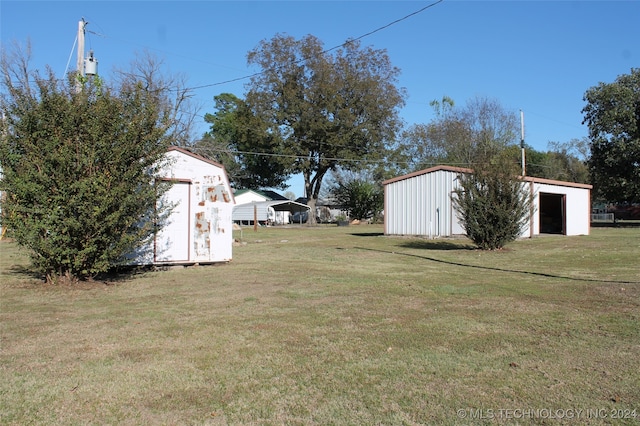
[466, 170]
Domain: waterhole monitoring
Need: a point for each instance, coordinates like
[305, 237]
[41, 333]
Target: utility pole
[80, 61]
[88, 66]
[522, 141]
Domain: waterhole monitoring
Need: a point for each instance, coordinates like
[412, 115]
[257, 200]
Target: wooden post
[255, 218]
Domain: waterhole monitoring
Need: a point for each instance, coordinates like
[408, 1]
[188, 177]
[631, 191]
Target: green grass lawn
[334, 325]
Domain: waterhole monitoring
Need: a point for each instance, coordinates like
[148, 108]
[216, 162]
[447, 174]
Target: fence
[602, 217]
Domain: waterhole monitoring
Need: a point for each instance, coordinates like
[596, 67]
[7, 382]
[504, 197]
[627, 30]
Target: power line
[554, 120]
[297, 157]
[394, 22]
[201, 149]
[351, 40]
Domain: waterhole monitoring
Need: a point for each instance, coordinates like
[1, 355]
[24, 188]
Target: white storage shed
[420, 203]
[199, 228]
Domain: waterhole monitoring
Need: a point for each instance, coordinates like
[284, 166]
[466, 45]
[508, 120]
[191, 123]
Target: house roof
[244, 191]
[271, 195]
[287, 205]
[277, 205]
[466, 170]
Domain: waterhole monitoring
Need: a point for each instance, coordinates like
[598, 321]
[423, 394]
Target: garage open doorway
[553, 218]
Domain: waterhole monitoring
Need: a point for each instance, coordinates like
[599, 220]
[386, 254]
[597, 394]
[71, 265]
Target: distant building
[326, 210]
[264, 207]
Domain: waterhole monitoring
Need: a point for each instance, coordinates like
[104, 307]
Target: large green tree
[612, 114]
[324, 108]
[241, 141]
[78, 166]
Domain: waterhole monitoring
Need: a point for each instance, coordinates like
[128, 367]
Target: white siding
[578, 207]
[246, 212]
[172, 243]
[184, 166]
[199, 229]
[421, 205]
[211, 225]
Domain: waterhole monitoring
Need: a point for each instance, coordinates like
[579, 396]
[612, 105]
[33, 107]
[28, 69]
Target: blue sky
[535, 56]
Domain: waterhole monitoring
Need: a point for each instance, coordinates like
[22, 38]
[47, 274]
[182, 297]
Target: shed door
[172, 242]
[553, 218]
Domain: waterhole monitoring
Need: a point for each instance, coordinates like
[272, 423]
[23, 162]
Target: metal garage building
[420, 204]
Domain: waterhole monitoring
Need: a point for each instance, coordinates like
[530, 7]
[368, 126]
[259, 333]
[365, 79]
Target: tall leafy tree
[241, 141]
[324, 108]
[461, 136]
[568, 161]
[492, 204]
[612, 114]
[562, 161]
[218, 142]
[78, 166]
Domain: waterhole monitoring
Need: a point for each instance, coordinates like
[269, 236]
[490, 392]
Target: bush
[493, 205]
[359, 197]
[78, 171]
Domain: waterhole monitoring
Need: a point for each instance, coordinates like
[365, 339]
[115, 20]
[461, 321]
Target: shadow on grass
[422, 244]
[491, 268]
[122, 274]
[25, 272]
[368, 234]
[437, 245]
[111, 277]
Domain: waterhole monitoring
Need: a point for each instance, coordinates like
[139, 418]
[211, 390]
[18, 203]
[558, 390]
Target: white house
[199, 228]
[420, 203]
[264, 207]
